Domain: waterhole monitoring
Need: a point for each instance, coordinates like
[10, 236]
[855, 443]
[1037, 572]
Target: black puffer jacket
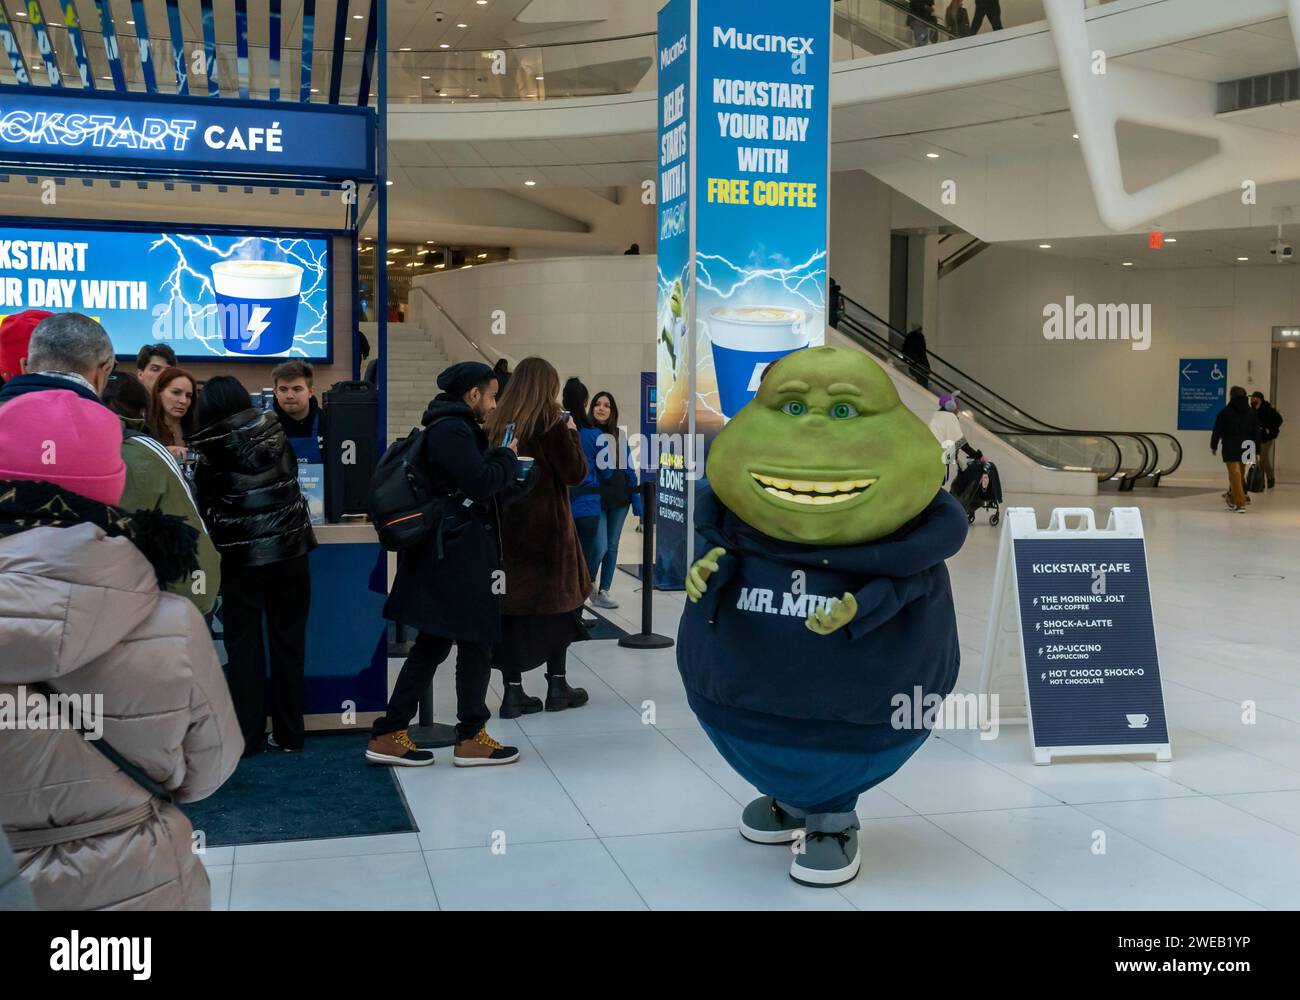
[1235, 425]
[247, 485]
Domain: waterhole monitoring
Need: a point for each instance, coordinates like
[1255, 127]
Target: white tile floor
[607, 810]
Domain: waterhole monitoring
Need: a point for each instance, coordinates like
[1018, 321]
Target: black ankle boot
[560, 696]
[515, 702]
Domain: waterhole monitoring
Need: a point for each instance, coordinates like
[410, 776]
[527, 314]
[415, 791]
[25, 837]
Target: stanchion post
[646, 638]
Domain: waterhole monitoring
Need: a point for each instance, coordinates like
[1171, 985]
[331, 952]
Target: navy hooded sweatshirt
[753, 668]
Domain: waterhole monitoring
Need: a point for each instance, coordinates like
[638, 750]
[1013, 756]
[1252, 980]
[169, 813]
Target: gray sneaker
[828, 859]
[601, 599]
[765, 822]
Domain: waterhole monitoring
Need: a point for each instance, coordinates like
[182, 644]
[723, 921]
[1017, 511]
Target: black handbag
[1255, 479]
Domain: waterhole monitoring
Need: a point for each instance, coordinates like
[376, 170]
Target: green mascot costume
[822, 600]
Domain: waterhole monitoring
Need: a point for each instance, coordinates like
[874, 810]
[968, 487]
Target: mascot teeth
[810, 493]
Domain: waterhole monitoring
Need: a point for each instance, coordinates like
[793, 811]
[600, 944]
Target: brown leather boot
[482, 751]
[397, 749]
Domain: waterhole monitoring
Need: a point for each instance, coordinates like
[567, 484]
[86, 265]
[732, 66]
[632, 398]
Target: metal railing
[1124, 457]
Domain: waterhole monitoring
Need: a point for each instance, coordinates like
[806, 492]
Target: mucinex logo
[78, 130]
[730, 38]
[669, 56]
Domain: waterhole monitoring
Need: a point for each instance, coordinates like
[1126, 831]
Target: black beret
[461, 378]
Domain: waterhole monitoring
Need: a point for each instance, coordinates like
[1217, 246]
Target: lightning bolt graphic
[257, 326]
[189, 282]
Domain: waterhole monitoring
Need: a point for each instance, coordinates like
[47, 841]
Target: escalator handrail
[1148, 471]
[857, 331]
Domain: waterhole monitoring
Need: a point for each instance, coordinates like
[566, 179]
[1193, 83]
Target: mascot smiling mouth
[813, 492]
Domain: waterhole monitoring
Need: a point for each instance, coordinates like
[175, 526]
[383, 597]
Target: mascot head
[826, 453]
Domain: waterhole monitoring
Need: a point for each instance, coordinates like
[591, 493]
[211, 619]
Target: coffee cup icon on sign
[745, 340]
[1138, 721]
[257, 301]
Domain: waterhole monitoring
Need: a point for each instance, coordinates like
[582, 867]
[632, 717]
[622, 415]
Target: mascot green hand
[823, 598]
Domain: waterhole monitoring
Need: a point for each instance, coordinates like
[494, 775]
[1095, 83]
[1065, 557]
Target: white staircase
[414, 361]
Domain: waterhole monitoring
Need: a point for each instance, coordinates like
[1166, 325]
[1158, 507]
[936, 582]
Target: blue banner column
[743, 194]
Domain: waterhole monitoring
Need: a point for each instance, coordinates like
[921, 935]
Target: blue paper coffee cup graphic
[745, 340]
[257, 303]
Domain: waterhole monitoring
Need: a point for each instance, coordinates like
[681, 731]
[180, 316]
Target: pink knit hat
[58, 437]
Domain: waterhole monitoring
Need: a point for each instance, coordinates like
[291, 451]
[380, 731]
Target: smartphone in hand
[509, 435]
[565, 416]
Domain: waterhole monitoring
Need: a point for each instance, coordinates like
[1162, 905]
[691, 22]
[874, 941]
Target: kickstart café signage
[78, 129]
[1083, 603]
[743, 198]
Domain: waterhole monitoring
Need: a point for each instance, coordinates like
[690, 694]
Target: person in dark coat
[547, 581]
[918, 358]
[453, 599]
[1237, 428]
[1270, 422]
[246, 484]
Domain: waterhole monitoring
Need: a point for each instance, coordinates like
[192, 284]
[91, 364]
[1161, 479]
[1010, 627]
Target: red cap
[15, 335]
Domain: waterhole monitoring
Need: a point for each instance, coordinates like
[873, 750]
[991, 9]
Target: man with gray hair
[72, 352]
[67, 351]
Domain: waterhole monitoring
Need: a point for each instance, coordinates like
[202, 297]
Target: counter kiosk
[61, 124]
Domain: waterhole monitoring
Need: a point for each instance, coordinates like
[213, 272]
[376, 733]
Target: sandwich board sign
[1072, 613]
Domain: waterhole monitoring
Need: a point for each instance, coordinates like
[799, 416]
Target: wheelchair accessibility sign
[1202, 392]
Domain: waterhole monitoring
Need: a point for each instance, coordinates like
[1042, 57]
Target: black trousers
[473, 669]
[280, 595]
[992, 9]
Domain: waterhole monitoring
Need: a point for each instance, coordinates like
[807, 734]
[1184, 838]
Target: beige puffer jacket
[82, 611]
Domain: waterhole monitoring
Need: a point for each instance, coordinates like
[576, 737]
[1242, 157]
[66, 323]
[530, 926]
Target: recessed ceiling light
[443, 45]
[389, 183]
[1243, 258]
[462, 25]
[1171, 239]
[539, 78]
[130, 22]
[426, 78]
[358, 17]
[1076, 135]
[1044, 246]
[439, 267]
[404, 48]
[482, 3]
[430, 242]
[482, 256]
[347, 38]
[530, 184]
[931, 156]
[1127, 263]
[473, 95]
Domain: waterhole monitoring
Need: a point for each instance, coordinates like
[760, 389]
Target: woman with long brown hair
[171, 410]
[546, 578]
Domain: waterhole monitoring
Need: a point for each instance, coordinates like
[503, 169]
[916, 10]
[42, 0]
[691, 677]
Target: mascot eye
[842, 411]
[794, 408]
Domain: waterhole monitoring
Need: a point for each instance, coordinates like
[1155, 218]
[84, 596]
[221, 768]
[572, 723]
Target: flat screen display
[221, 295]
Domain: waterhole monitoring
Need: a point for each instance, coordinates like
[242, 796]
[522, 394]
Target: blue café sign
[79, 129]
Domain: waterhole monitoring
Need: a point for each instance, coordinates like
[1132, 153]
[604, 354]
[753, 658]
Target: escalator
[1123, 459]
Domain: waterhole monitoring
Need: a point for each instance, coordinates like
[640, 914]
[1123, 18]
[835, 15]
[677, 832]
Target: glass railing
[603, 67]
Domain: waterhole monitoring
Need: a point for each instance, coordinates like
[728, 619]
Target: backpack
[403, 506]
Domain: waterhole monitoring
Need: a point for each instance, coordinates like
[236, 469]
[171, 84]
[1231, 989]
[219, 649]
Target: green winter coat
[153, 480]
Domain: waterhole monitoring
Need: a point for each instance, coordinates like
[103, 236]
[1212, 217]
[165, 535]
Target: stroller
[978, 487]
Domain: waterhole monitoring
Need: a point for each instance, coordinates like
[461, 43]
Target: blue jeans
[611, 530]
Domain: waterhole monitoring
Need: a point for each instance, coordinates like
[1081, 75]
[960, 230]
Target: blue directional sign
[1202, 392]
